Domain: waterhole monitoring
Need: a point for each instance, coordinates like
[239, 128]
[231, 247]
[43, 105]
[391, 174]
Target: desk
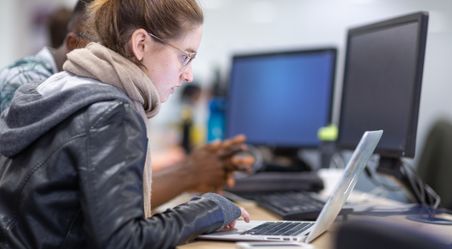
[325, 240]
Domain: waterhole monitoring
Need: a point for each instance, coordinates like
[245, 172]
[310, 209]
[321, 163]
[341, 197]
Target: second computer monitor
[382, 83]
[281, 99]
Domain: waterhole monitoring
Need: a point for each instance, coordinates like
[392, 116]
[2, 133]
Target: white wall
[16, 26]
[8, 31]
[236, 25]
[233, 26]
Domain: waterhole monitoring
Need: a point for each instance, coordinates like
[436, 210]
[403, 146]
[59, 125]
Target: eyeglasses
[187, 56]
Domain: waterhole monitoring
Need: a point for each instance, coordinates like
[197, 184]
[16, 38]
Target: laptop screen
[354, 167]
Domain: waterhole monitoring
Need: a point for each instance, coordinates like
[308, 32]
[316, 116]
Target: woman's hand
[244, 215]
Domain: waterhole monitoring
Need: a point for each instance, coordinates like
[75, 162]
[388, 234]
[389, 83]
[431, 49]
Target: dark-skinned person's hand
[236, 157]
[206, 168]
[226, 156]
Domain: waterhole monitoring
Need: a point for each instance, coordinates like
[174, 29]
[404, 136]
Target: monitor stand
[393, 166]
[286, 160]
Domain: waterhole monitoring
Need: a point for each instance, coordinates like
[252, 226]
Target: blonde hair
[115, 20]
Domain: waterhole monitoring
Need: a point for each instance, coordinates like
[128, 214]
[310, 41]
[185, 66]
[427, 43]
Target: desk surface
[363, 200]
[325, 240]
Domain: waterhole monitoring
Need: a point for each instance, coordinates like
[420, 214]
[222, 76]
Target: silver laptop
[301, 231]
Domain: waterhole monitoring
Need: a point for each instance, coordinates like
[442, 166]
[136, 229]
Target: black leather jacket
[80, 186]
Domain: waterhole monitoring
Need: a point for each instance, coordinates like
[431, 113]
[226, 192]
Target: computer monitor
[280, 99]
[382, 86]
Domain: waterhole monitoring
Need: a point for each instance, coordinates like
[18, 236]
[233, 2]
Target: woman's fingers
[245, 215]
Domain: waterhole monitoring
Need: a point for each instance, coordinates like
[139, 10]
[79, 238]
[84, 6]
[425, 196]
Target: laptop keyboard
[289, 205]
[279, 228]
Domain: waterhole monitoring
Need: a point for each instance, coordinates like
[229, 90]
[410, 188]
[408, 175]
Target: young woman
[74, 167]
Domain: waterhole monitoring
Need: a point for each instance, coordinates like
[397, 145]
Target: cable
[371, 176]
[335, 161]
[424, 192]
[426, 196]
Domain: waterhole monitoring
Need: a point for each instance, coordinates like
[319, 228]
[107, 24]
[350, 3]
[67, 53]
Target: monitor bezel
[410, 142]
[305, 51]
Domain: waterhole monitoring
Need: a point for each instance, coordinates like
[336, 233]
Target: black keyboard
[289, 205]
[279, 228]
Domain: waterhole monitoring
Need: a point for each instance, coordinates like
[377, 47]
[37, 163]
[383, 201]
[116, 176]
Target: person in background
[204, 170]
[57, 25]
[74, 164]
[46, 62]
[190, 96]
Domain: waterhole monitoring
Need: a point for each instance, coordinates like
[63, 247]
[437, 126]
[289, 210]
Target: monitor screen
[281, 99]
[382, 83]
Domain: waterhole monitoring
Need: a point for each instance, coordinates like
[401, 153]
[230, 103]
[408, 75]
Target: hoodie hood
[38, 108]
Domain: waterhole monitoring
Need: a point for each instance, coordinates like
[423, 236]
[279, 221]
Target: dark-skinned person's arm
[201, 168]
[207, 169]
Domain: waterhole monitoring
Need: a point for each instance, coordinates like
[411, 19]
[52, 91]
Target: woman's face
[164, 61]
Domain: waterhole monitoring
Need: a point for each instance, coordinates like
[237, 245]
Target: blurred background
[243, 26]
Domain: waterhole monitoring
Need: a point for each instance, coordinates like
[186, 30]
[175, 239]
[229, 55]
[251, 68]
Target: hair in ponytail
[115, 20]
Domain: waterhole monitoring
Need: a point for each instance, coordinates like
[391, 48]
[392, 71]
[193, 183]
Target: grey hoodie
[32, 113]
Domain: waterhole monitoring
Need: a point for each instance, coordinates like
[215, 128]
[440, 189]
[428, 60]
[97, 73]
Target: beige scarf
[103, 64]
